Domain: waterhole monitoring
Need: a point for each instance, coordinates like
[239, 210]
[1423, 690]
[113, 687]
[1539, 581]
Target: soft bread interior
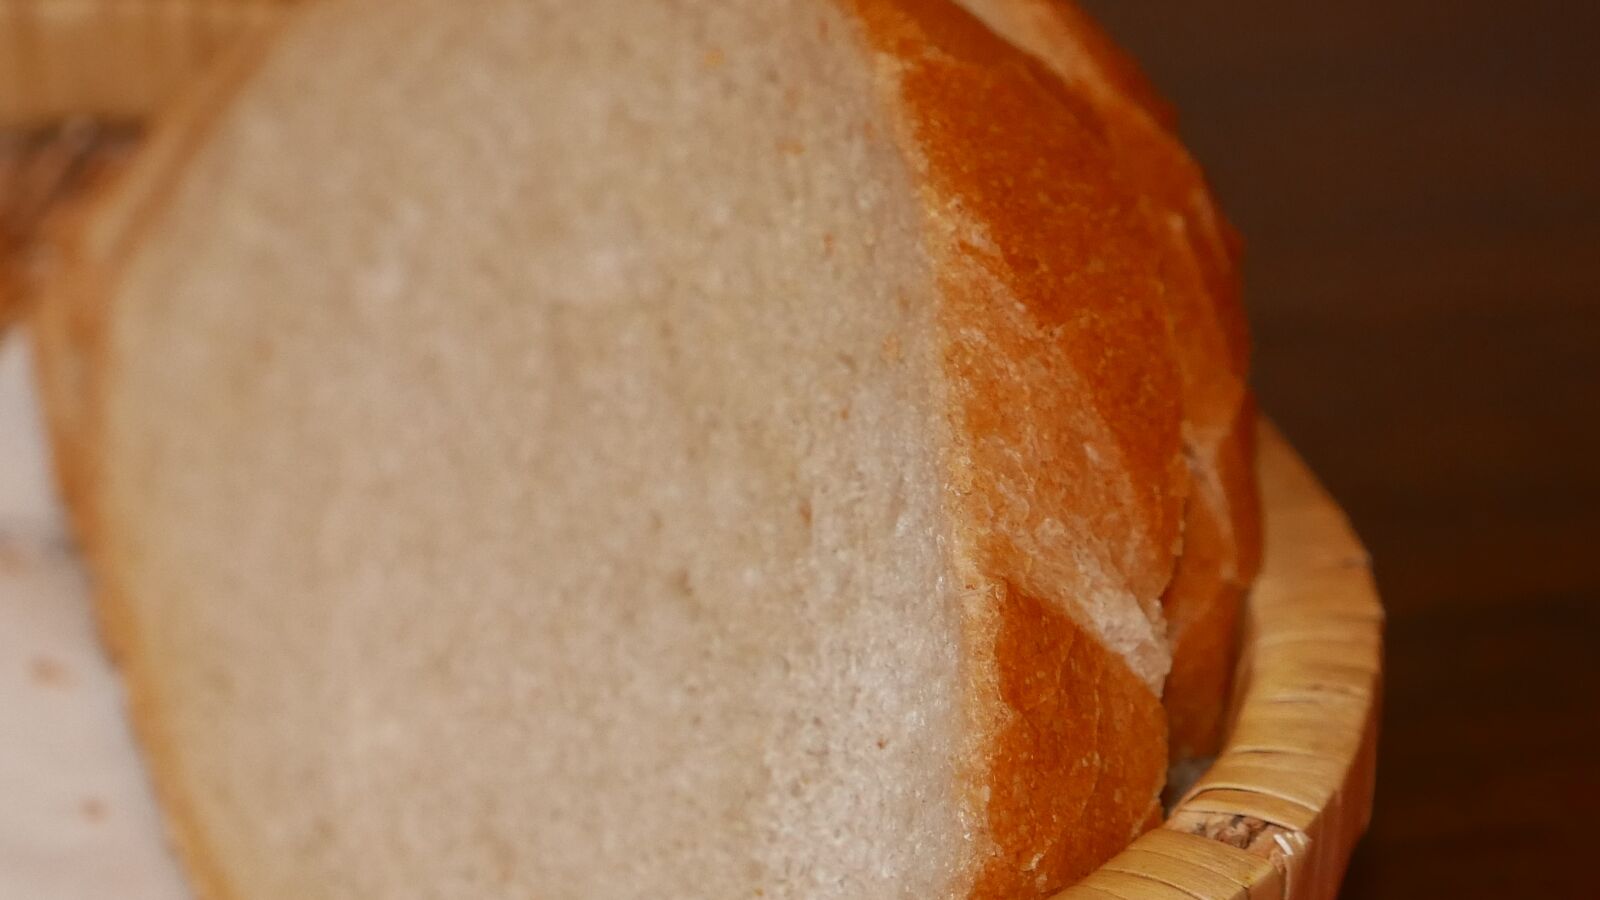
[563, 476]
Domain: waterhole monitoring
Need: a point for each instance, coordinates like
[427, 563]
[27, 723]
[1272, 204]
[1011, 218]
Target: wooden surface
[1419, 186]
[1276, 816]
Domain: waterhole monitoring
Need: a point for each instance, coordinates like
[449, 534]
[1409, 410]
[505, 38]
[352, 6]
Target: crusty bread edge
[95, 235]
[939, 45]
[1205, 604]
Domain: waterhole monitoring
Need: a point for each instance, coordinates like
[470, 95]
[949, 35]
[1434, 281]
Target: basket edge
[1279, 812]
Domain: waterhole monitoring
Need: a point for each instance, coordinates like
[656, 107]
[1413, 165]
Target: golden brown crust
[1222, 553]
[1200, 273]
[1205, 609]
[1065, 408]
[1236, 474]
[1222, 522]
[1060, 763]
[1019, 160]
[1098, 66]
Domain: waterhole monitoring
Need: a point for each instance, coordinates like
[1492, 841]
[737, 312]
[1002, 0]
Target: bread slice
[533, 449]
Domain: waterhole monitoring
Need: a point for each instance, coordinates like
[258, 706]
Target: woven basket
[1278, 812]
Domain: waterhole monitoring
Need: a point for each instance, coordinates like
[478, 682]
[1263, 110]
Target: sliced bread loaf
[533, 449]
[1222, 535]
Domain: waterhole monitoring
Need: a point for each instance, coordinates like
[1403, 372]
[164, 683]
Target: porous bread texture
[1068, 473]
[555, 532]
[635, 450]
[1222, 537]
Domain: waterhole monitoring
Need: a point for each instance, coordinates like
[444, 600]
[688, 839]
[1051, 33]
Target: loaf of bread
[693, 449]
[1198, 251]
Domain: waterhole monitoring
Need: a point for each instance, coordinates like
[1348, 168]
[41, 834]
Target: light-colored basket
[1277, 814]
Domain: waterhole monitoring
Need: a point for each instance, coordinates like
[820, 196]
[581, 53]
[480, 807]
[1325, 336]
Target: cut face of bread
[616, 449]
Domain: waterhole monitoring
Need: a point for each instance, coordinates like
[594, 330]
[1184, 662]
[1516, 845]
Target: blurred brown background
[1419, 186]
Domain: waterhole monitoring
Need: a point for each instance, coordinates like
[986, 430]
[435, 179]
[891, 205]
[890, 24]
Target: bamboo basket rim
[1276, 815]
